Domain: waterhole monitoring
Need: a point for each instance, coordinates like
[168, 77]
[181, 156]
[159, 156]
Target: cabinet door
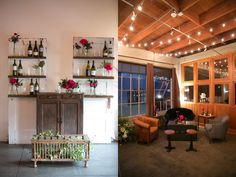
[48, 115]
[72, 115]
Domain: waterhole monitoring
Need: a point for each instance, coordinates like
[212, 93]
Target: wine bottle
[14, 70]
[110, 53]
[88, 69]
[36, 51]
[36, 87]
[30, 51]
[93, 70]
[20, 69]
[41, 49]
[31, 87]
[105, 51]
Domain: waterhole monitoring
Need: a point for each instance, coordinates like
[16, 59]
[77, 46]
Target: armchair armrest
[152, 121]
[141, 124]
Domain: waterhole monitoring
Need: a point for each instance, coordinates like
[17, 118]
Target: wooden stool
[191, 132]
[169, 133]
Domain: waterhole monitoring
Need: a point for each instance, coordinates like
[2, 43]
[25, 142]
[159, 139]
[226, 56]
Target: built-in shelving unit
[28, 76]
[26, 57]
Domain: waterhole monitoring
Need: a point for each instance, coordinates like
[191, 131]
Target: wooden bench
[62, 148]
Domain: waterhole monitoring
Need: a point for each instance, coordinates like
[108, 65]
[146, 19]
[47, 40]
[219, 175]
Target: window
[162, 89]
[188, 93]
[221, 68]
[222, 93]
[188, 73]
[203, 71]
[132, 89]
[203, 93]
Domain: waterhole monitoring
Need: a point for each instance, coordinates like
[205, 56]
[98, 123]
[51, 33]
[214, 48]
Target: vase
[69, 91]
[94, 91]
[85, 52]
[40, 70]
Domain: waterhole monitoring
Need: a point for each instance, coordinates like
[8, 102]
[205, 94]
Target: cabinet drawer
[71, 96]
[48, 96]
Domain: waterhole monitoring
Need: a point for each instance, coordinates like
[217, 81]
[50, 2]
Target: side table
[205, 118]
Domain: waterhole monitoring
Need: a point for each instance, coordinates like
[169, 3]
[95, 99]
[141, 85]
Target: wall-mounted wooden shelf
[94, 58]
[28, 76]
[96, 77]
[26, 57]
[22, 96]
[98, 96]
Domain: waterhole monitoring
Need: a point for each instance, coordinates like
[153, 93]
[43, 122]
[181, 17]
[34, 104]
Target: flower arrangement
[68, 84]
[15, 38]
[179, 118]
[15, 82]
[93, 83]
[125, 130]
[86, 45]
[39, 65]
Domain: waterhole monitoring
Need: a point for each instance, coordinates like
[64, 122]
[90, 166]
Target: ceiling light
[127, 45]
[179, 53]
[198, 49]
[161, 42]
[139, 45]
[162, 54]
[140, 8]
[189, 41]
[167, 55]
[180, 14]
[124, 38]
[223, 25]
[199, 33]
[132, 45]
[131, 28]
[120, 43]
[152, 43]
[176, 54]
[232, 35]
[145, 44]
[211, 30]
[155, 53]
[178, 39]
[213, 43]
[192, 51]
[188, 36]
[133, 16]
[222, 39]
[185, 52]
[169, 41]
[171, 54]
[173, 14]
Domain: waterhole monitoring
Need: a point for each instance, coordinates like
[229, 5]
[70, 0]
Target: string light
[145, 44]
[192, 51]
[161, 42]
[178, 39]
[198, 49]
[133, 45]
[131, 28]
[188, 36]
[211, 30]
[213, 43]
[133, 17]
[232, 35]
[152, 43]
[124, 38]
[139, 45]
[222, 39]
[199, 33]
[171, 54]
[169, 41]
[223, 25]
[185, 52]
[176, 54]
[127, 45]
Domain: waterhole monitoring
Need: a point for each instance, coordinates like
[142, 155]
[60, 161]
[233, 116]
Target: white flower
[122, 129]
[125, 135]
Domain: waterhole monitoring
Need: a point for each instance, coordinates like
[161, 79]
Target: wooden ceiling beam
[218, 11]
[226, 36]
[186, 4]
[192, 17]
[217, 30]
[172, 4]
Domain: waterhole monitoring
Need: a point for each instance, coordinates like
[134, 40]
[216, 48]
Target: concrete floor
[217, 159]
[15, 162]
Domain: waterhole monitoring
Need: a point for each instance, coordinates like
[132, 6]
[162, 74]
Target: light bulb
[127, 45]
[213, 43]
[178, 39]
[161, 42]
[145, 44]
[125, 39]
[222, 39]
[132, 45]
[139, 45]
[188, 36]
[185, 52]
[232, 35]
[211, 30]
[179, 53]
[199, 33]
[133, 17]
[140, 8]
[171, 55]
[131, 28]
[198, 49]
[169, 41]
[192, 51]
[223, 25]
[152, 43]
[176, 54]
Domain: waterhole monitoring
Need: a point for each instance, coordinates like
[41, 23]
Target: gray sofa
[217, 128]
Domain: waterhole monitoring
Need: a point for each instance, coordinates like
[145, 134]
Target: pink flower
[181, 117]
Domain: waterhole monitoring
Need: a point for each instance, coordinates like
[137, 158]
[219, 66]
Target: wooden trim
[27, 76]
[26, 57]
[150, 89]
[90, 77]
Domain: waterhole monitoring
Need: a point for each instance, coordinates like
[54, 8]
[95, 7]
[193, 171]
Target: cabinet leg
[35, 164]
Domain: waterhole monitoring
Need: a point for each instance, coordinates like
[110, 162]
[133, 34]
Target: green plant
[39, 65]
[125, 130]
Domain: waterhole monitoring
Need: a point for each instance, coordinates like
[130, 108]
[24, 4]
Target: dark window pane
[126, 84]
[221, 68]
[203, 93]
[142, 69]
[203, 71]
[119, 83]
[134, 84]
[142, 96]
[142, 76]
[135, 76]
[135, 68]
[142, 84]
[125, 110]
[188, 93]
[164, 73]
[135, 96]
[188, 73]
[134, 109]
[125, 97]
[119, 96]
[222, 93]
[125, 75]
[143, 108]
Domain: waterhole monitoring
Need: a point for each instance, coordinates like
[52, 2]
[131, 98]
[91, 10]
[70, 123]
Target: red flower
[181, 117]
[108, 67]
[13, 81]
[83, 42]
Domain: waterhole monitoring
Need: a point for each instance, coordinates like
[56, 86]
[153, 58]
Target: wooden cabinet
[60, 113]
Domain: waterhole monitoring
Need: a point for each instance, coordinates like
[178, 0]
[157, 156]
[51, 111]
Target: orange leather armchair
[146, 128]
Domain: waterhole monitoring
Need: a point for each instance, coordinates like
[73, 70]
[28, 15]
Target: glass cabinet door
[188, 93]
[188, 73]
[203, 70]
[221, 68]
[222, 93]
